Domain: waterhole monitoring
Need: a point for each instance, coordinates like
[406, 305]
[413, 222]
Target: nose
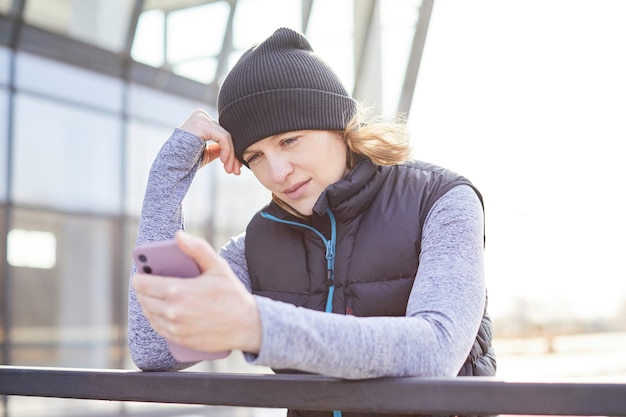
[280, 167]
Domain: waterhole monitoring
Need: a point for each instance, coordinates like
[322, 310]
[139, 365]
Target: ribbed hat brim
[269, 113]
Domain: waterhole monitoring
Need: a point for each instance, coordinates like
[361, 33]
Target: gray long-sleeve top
[444, 310]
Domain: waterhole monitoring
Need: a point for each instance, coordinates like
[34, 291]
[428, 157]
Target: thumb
[200, 251]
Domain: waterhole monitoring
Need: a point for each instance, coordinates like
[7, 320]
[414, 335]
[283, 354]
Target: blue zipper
[330, 250]
[330, 258]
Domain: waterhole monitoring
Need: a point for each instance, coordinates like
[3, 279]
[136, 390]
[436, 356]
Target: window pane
[148, 45]
[62, 316]
[256, 20]
[73, 163]
[5, 55]
[398, 22]
[330, 31]
[181, 51]
[161, 108]
[68, 82]
[185, 27]
[103, 23]
[31, 249]
[200, 69]
[4, 142]
[3, 283]
[143, 144]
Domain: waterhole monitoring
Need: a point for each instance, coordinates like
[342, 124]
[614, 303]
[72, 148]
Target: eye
[288, 141]
[252, 158]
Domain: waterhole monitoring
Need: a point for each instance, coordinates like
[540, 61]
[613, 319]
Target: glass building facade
[89, 91]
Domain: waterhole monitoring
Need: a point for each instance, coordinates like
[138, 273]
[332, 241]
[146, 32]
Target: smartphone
[165, 258]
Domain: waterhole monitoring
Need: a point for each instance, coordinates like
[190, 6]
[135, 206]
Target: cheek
[261, 176]
[336, 167]
[341, 157]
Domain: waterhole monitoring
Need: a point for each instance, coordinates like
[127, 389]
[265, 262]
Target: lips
[296, 190]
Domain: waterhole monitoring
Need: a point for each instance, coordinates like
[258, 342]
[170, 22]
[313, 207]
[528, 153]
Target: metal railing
[448, 396]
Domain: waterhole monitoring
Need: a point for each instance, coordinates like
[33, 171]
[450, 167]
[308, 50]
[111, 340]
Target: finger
[162, 325]
[157, 287]
[200, 251]
[223, 147]
[227, 156]
[238, 165]
[201, 124]
[153, 308]
[227, 152]
[145, 286]
[160, 312]
[197, 122]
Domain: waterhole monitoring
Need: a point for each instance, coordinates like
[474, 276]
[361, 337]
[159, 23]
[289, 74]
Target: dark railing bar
[414, 395]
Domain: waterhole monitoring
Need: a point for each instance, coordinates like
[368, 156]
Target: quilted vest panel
[377, 247]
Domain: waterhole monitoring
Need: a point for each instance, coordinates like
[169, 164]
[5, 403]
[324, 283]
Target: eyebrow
[246, 153]
[271, 138]
[249, 152]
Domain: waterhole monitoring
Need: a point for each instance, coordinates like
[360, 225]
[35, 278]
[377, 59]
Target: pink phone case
[165, 258]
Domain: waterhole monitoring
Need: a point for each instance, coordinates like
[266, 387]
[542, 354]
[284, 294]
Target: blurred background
[525, 98]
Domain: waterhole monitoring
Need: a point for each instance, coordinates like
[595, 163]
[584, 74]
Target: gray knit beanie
[278, 86]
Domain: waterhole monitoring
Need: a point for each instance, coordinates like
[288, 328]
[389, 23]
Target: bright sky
[528, 100]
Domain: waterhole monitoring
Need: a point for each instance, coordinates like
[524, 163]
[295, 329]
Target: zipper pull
[330, 263]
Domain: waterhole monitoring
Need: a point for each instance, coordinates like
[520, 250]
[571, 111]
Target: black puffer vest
[376, 254]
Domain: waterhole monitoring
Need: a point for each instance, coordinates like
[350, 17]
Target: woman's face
[298, 166]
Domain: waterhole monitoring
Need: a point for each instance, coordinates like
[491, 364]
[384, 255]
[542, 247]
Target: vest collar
[354, 193]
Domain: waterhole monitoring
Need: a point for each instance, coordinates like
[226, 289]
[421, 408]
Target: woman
[392, 247]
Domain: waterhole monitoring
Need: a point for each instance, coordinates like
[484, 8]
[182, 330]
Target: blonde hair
[384, 142]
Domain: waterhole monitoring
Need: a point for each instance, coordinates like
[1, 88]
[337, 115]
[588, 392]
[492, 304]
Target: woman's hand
[213, 312]
[207, 129]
